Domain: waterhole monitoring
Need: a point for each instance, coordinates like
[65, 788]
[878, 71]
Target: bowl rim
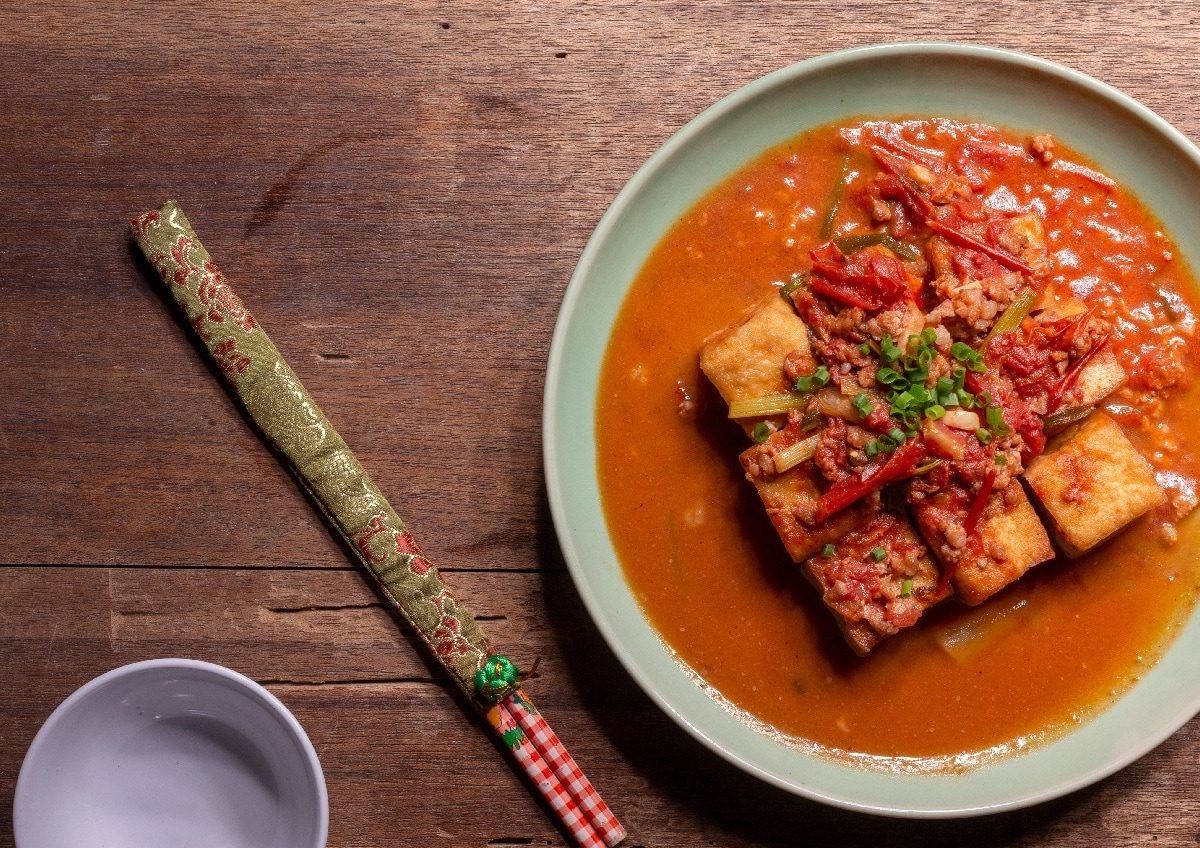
[154, 667]
[556, 364]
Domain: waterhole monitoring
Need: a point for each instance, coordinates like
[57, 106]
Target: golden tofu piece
[791, 502]
[1098, 379]
[745, 361]
[873, 598]
[1091, 482]
[791, 498]
[1008, 541]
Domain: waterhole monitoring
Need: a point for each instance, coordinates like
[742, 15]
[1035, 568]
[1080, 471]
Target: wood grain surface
[400, 191]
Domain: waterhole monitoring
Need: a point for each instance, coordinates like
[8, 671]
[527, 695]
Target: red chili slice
[960, 238]
[1069, 378]
[845, 492]
[977, 505]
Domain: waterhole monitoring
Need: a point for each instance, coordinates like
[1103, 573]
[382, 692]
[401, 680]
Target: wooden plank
[400, 191]
[401, 203]
[400, 755]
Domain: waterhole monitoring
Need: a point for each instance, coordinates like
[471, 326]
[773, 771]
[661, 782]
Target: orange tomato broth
[710, 574]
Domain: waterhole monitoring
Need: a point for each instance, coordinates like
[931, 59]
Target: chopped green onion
[888, 349]
[865, 349]
[906, 588]
[945, 386]
[797, 281]
[972, 358]
[935, 412]
[888, 376]
[829, 550]
[762, 432]
[835, 200]
[815, 380]
[770, 405]
[901, 248]
[790, 457]
[1014, 315]
[856, 242]
[896, 435]
[1066, 417]
[878, 554]
[902, 401]
[995, 421]
[966, 399]
[1001, 459]
[862, 404]
[871, 448]
[928, 337]
[983, 435]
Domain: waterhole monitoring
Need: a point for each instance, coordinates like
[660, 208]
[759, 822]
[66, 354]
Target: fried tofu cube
[1098, 379]
[1008, 541]
[745, 361]
[1091, 482]
[791, 502]
[877, 580]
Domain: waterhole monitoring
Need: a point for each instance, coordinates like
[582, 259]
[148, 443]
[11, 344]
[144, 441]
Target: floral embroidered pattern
[446, 638]
[241, 350]
[141, 224]
[215, 296]
[364, 542]
[233, 362]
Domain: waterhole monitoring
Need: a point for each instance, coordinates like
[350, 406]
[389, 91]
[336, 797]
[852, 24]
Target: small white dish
[171, 753]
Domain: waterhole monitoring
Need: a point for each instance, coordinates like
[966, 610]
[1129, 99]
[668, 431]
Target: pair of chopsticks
[358, 513]
[552, 769]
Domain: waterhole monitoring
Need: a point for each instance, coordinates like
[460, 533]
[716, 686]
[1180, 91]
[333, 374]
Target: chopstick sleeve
[308, 444]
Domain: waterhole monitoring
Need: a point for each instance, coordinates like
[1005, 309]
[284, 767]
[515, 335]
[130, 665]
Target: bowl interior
[1011, 90]
[171, 753]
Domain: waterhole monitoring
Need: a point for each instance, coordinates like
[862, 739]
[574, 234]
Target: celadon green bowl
[1015, 91]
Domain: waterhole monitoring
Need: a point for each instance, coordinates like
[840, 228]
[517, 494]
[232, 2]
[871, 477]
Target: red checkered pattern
[551, 789]
[556, 755]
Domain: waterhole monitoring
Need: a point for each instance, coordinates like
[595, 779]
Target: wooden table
[400, 192]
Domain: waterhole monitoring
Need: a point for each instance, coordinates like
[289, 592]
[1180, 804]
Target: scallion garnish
[983, 435]
[995, 421]
[888, 350]
[770, 405]
[815, 380]
[797, 281]
[862, 405]
[934, 412]
[965, 354]
[762, 432]
[829, 550]
[878, 554]
[1001, 459]
[906, 588]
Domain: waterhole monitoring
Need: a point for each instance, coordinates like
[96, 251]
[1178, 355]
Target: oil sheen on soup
[965, 684]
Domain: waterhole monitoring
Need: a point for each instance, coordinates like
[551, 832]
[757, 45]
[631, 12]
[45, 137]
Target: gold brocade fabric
[314, 452]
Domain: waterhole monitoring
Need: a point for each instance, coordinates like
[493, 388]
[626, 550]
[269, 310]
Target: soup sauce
[712, 576]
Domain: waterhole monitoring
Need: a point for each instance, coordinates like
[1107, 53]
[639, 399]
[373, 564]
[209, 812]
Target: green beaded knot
[496, 678]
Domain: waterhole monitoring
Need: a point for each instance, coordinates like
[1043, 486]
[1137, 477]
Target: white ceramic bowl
[171, 753]
[1012, 90]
